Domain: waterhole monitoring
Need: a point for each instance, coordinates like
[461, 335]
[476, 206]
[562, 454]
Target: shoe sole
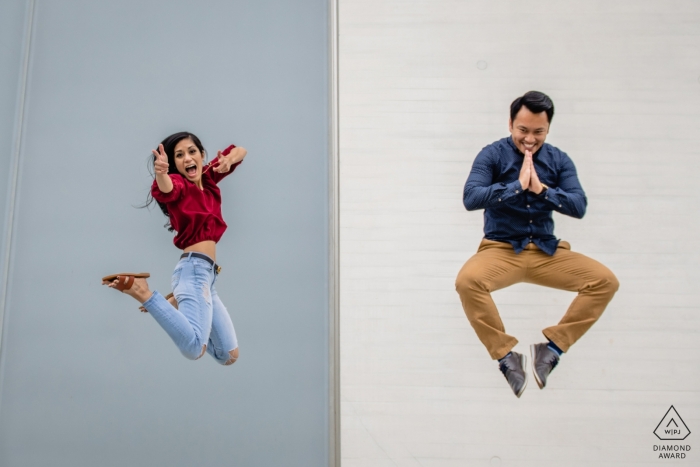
[111, 277]
[534, 370]
[523, 364]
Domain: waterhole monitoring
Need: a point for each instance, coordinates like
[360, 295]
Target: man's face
[529, 130]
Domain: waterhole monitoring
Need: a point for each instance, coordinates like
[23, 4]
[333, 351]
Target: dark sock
[506, 355]
[554, 347]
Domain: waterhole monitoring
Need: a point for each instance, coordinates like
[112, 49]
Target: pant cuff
[154, 297]
[557, 339]
[503, 350]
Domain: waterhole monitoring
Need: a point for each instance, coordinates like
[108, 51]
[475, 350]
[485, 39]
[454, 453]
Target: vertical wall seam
[14, 180]
[334, 242]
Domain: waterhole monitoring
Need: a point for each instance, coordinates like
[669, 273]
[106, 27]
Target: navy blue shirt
[519, 216]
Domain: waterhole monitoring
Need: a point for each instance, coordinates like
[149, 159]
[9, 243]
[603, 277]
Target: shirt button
[560, 205]
[546, 197]
[530, 221]
[499, 200]
[530, 236]
[517, 191]
[528, 205]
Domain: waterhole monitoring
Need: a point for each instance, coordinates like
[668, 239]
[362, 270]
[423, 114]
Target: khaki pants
[496, 266]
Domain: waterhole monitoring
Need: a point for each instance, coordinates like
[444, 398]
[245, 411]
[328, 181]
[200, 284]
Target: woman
[186, 191]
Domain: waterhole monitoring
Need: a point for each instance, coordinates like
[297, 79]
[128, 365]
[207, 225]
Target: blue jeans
[200, 319]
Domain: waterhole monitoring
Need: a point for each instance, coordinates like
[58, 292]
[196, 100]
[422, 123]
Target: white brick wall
[417, 387]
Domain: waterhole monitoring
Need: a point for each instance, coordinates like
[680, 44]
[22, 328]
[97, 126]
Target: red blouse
[195, 214]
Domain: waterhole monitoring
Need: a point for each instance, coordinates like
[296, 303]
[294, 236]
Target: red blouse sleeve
[174, 195]
[216, 176]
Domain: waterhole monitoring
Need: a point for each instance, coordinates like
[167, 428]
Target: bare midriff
[208, 247]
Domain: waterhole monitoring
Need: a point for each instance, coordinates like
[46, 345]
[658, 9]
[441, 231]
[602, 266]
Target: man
[519, 181]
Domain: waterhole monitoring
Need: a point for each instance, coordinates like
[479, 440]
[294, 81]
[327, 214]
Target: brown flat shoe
[125, 279]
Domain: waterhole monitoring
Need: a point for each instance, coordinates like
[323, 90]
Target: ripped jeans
[200, 319]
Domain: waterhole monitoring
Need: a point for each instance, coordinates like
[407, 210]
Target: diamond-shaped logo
[672, 427]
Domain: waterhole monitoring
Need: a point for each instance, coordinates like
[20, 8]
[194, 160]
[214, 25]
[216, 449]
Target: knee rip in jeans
[234, 356]
[204, 349]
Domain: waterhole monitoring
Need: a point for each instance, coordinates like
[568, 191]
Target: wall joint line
[14, 173]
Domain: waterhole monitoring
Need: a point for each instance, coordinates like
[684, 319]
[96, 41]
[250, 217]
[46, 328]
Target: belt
[217, 268]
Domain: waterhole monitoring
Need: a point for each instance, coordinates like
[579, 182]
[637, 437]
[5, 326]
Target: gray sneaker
[544, 360]
[513, 368]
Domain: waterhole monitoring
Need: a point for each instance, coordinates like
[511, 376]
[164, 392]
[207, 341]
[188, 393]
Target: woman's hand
[234, 157]
[160, 163]
[160, 167]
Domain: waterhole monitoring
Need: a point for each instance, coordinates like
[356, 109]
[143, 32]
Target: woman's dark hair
[169, 144]
[536, 102]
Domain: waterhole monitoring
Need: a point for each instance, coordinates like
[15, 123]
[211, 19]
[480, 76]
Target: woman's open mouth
[191, 170]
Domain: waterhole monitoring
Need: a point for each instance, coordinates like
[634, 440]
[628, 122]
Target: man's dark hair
[536, 102]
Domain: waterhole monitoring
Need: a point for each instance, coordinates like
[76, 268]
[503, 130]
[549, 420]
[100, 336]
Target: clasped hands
[528, 175]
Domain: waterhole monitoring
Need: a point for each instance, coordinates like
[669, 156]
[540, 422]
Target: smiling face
[189, 160]
[529, 130]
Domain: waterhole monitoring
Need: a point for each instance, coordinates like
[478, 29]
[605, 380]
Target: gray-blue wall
[86, 379]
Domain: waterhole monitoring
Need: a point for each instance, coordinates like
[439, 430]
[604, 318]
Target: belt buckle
[217, 268]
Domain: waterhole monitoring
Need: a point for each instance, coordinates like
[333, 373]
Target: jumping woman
[186, 191]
